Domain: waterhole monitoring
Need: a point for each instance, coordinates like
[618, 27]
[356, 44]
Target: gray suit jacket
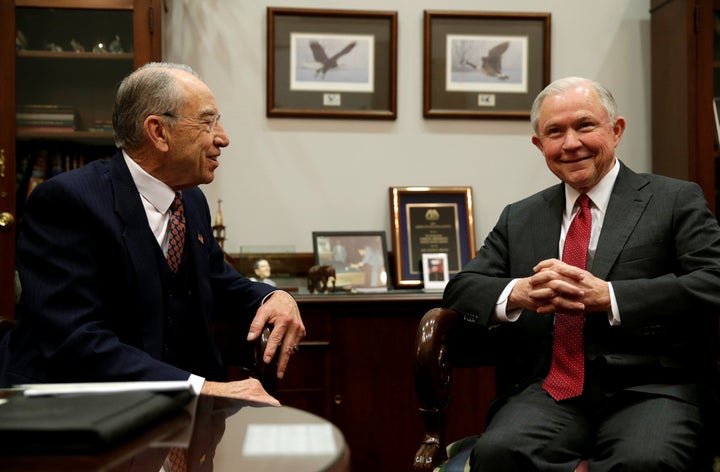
[660, 248]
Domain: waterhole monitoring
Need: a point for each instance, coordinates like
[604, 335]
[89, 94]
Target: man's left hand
[280, 310]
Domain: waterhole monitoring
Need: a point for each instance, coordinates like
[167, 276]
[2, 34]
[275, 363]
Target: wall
[282, 178]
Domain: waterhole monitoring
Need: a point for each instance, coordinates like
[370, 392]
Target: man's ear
[537, 142]
[156, 132]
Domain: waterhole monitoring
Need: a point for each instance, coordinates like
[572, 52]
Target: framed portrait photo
[331, 63]
[484, 65]
[430, 220]
[435, 271]
[359, 258]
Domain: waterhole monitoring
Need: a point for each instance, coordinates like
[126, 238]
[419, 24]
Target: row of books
[33, 169]
[45, 117]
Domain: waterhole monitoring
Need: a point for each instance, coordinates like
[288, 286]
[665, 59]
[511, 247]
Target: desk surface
[219, 437]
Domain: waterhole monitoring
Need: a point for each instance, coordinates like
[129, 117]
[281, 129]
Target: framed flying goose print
[331, 63]
[484, 65]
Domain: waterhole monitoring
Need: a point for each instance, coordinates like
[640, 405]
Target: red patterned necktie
[176, 233]
[567, 371]
[176, 460]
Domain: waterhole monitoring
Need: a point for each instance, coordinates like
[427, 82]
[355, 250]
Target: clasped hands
[280, 310]
[560, 287]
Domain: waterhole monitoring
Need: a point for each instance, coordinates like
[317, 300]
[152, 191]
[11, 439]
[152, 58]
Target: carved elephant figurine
[320, 275]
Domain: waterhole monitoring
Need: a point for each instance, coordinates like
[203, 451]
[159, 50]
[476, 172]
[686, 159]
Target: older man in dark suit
[609, 355]
[118, 282]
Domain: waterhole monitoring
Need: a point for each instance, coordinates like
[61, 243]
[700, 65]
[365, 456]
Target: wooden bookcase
[685, 58]
[40, 66]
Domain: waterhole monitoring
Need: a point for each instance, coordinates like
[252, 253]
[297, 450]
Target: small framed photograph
[430, 220]
[331, 63]
[484, 65]
[359, 258]
[435, 271]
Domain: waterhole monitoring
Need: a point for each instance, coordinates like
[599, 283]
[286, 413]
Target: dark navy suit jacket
[93, 299]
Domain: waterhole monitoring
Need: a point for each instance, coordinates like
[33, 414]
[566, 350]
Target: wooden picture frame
[331, 63]
[484, 65]
[716, 114]
[430, 220]
[359, 258]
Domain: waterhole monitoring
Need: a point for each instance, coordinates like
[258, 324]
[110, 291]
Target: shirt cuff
[501, 312]
[196, 382]
[614, 315]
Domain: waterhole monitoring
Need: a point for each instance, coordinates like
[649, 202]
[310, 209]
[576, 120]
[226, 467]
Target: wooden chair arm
[6, 324]
[245, 359]
[433, 379]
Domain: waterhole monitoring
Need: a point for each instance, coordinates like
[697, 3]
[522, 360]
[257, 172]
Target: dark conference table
[221, 435]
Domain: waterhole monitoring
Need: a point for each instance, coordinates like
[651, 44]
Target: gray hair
[560, 85]
[150, 90]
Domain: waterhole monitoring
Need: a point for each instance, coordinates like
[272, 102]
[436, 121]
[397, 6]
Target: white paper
[301, 439]
[30, 390]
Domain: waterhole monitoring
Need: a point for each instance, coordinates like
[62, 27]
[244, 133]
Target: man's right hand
[249, 390]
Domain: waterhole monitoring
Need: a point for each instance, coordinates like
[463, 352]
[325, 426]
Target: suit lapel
[626, 205]
[547, 223]
[143, 255]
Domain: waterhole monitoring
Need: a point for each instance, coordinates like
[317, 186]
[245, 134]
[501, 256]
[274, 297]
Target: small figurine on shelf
[21, 42]
[318, 277]
[99, 48]
[115, 45]
[219, 227]
[262, 272]
[52, 47]
[76, 46]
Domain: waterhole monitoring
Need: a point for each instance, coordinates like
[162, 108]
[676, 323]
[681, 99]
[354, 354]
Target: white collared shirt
[156, 198]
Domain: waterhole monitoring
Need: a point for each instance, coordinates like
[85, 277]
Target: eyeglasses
[210, 122]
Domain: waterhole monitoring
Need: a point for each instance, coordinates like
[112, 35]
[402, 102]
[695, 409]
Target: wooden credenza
[355, 368]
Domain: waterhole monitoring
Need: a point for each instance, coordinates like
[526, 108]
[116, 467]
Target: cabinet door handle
[7, 220]
[2, 162]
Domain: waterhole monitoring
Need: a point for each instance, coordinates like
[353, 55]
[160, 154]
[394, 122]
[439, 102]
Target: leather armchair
[442, 345]
[438, 350]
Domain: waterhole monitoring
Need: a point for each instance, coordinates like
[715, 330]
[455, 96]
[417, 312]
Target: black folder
[82, 423]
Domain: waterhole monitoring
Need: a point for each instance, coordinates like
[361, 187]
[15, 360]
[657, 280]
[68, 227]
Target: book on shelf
[101, 126]
[45, 129]
[29, 117]
[35, 168]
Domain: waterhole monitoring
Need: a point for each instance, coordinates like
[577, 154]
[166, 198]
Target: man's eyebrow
[208, 112]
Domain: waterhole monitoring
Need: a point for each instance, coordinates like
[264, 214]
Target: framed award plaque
[430, 220]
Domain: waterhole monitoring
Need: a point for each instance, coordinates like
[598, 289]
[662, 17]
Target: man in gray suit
[647, 300]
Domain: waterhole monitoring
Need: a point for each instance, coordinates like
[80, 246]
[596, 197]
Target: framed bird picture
[484, 65]
[331, 63]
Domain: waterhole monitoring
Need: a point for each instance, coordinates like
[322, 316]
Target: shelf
[77, 136]
[86, 4]
[126, 56]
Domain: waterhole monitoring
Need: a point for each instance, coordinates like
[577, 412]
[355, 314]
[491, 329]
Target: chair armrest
[433, 379]
[6, 324]
[245, 359]
[265, 373]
